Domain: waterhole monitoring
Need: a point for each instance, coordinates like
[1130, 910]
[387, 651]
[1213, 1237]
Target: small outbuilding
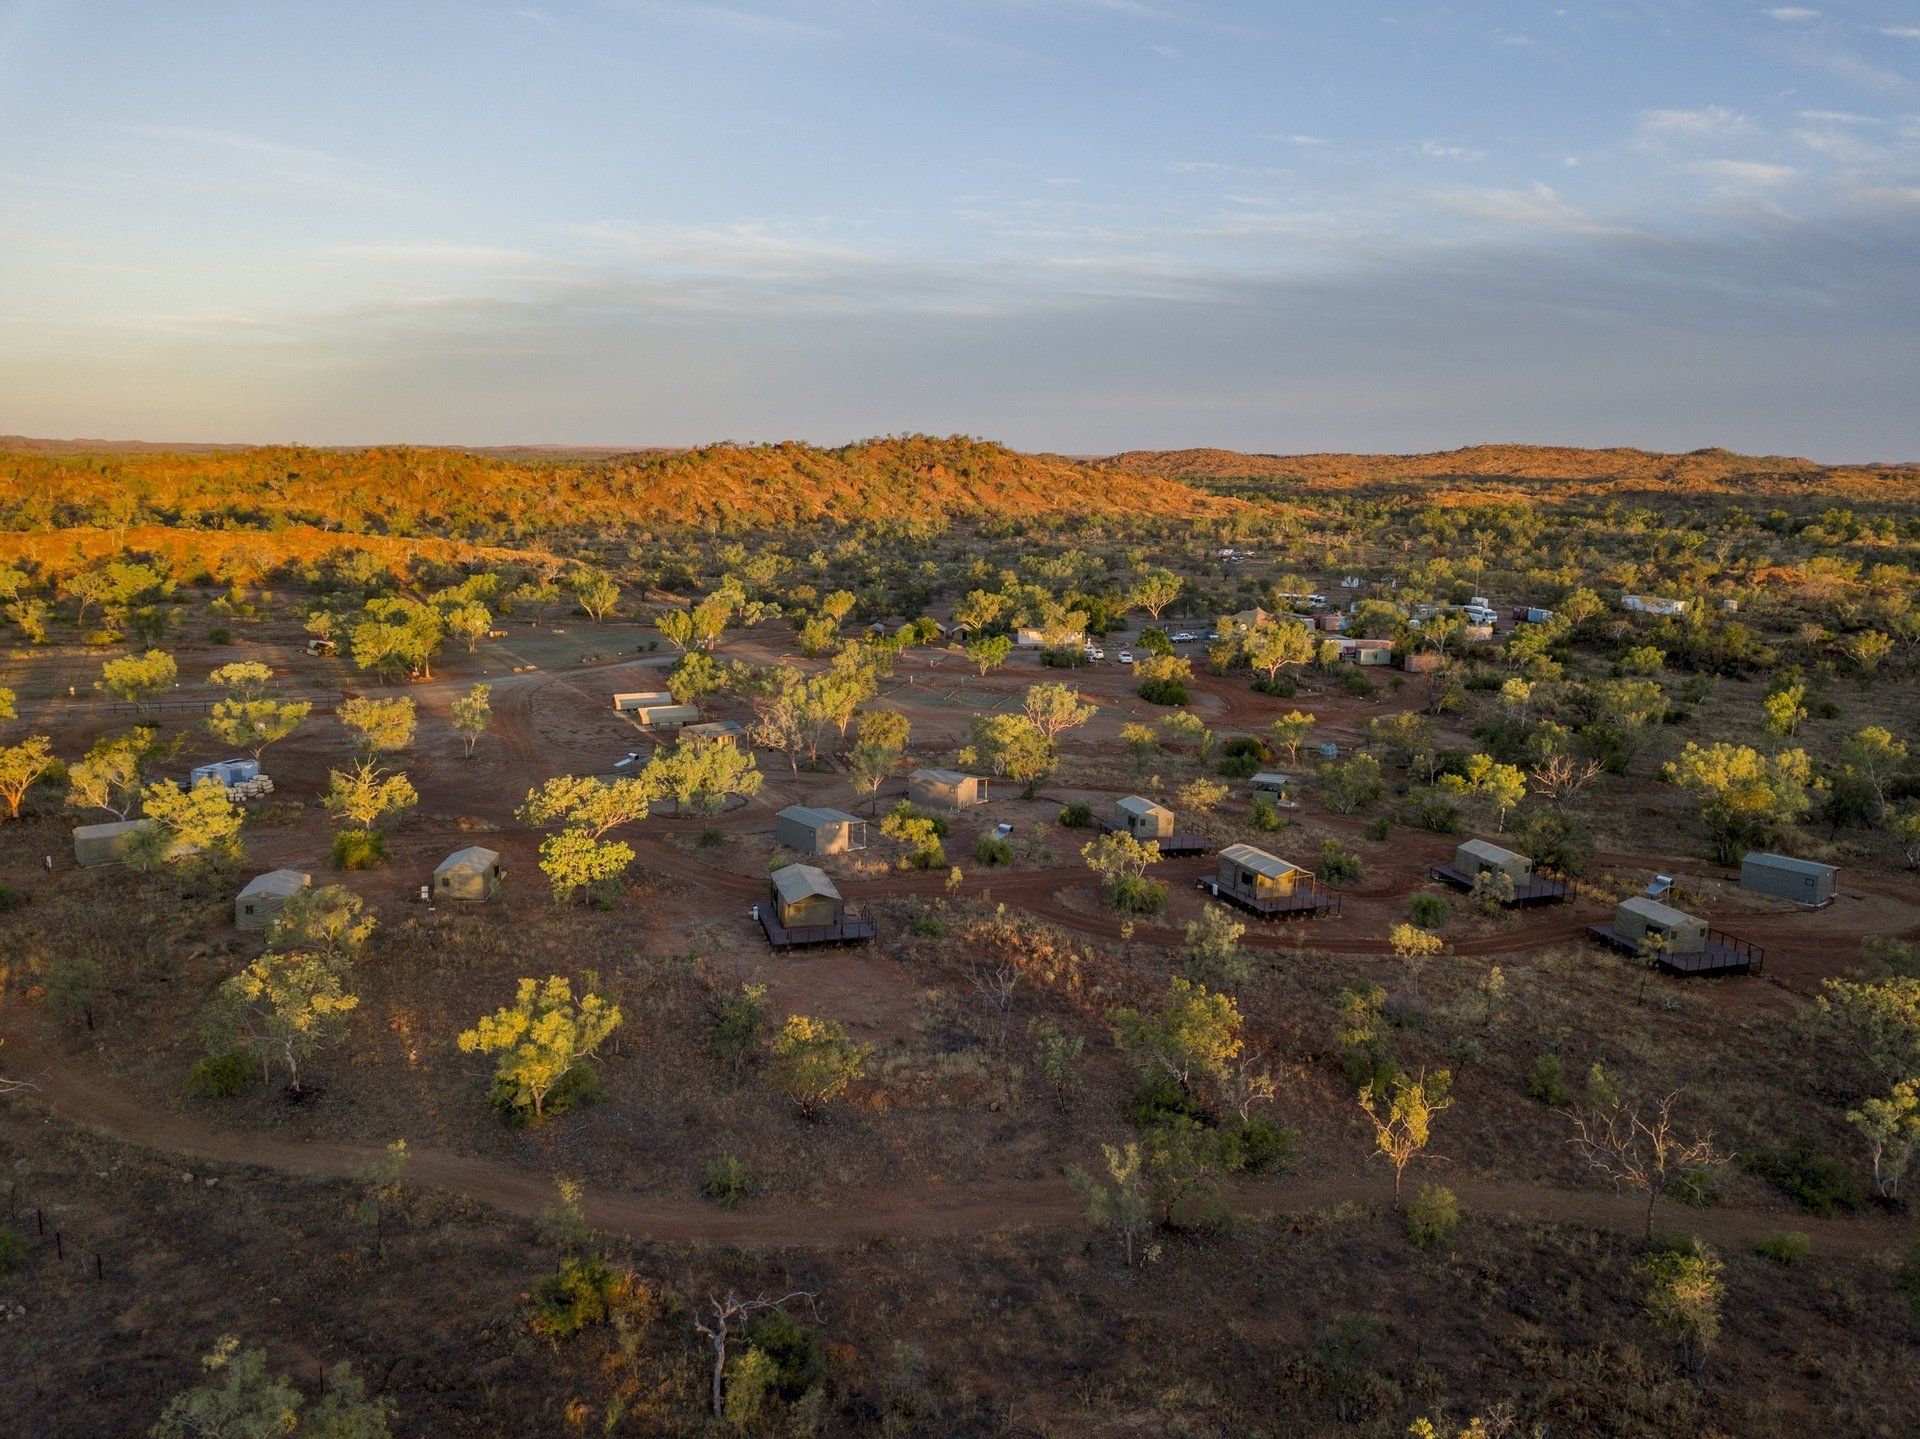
[1477, 856]
[807, 909]
[946, 789]
[1267, 885]
[473, 873]
[808, 830]
[714, 732]
[664, 717]
[1640, 920]
[98, 844]
[1272, 782]
[641, 700]
[1804, 881]
[1142, 818]
[266, 895]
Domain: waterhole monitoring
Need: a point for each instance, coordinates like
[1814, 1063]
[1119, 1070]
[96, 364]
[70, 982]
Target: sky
[1074, 225]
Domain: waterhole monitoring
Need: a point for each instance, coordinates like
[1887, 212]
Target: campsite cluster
[914, 977]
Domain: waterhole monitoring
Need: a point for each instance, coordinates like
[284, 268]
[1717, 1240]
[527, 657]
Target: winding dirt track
[64, 1085]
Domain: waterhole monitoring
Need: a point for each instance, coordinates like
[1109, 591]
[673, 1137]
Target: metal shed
[1142, 818]
[946, 788]
[1804, 881]
[1477, 856]
[1254, 874]
[819, 831]
[804, 896]
[472, 873]
[266, 895]
[97, 844]
[1639, 919]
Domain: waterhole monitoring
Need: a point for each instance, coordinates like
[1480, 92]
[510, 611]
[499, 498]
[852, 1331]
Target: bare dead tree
[995, 984]
[728, 1316]
[1247, 1083]
[1561, 777]
[1639, 1151]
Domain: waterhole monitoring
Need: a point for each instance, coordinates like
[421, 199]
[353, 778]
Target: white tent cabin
[257, 906]
[473, 873]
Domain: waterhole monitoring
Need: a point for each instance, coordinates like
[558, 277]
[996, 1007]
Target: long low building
[809, 830]
[641, 700]
[1781, 876]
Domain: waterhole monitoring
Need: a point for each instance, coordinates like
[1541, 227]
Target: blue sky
[1080, 225]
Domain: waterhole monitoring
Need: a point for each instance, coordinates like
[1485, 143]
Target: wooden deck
[1539, 889]
[1306, 902]
[1722, 953]
[847, 929]
[1174, 846]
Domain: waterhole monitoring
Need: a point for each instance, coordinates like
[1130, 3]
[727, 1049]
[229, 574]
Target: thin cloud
[1791, 14]
[1745, 172]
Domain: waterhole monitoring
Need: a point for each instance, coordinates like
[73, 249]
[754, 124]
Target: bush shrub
[1076, 816]
[1339, 866]
[1163, 692]
[1379, 829]
[1265, 1145]
[579, 1085]
[1239, 766]
[1694, 1188]
[1548, 1081]
[1266, 814]
[1160, 1097]
[1432, 1216]
[221, 1076]
[1280, 687]
[1429, 911]
[11, 898]
[358, 848]
[220, 636]
[798, 1356]
[1816, 1183]
[1785, 1247]
[727, 1182]
[1136, 894]
[993, 851]
[579, 1295]
[13, 1251]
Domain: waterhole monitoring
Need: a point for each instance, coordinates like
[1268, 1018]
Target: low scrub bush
[1785, 1247]
[1429, 911]
[1548, 1081]
[1076, 816]
[221, 1076]
[579, 1295]
[727, 1182]
[1266, 815]
[993, 851]
[1809, 1178]
[1266, 1146]
[1163, 692]
[1136, 894]
[1160, 1097]
[1432, 1216]
[1339, 866]
[358, 849]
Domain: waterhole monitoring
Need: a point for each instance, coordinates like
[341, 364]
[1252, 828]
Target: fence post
[39, 1220]
[99, 1269]
[59, 1245]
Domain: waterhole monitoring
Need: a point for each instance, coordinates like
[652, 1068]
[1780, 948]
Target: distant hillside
[1566, 471]
[413, 491]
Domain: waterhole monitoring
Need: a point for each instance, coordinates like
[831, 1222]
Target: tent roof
[802, 881]
[1258, 860]
[472, 857]
[1137, 804]
[278, 881]
[108, 830]
[1654, 912]
[1488, 851]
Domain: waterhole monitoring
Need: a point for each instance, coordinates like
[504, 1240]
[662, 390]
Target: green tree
[1351, 784]
[1121, 861]
[366, 795]
[21, 767]
[201, 822]
[330, 921]
[473, 715]
[1010, 745]
[1746, 798]
[1213, 953]
[1192, 1034]
[1890, 1127]
[397, 635]
[1120, 1199]
[738, 1022]
[243, 679]
[595, 591]
[588, 803]
[381, 1190]
[1874, 757]
[1785, 709]
[74, 985]
[1141, 742]
[254, 724]
[1291, 731]
[540, 1039]
[111, 775]
[1055, 708]
[284, 1007]
[1056, 1055]
[574, 860]
[989, 652]
[380, 726]
[138, 679]
[1271, 648]
[814, 1061]
[700, 777]
[1878, 1019]
[1403, 1121]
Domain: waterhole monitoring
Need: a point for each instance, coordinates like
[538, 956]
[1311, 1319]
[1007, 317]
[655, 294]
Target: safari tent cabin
[946, 789]
[642, 700]
[1641, 920]
[807, 909]
[1267, 884]
[1243, 620]
[714, 732]
[1142, 818]
[808, 830]
[97, 844]
[1803, 881]
[1478, 856]
[1678, 943]
[265, 896]
[472, 873]
[666, 716]
[226, 772]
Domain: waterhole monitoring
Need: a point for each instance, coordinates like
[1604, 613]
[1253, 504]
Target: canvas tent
[666, 716]
[266, 895]
[1477, 856]
[819, 831]
[946, 788]
[97, 844]
[1254, 874]
[472, 873]
[804, 897]
[1142, 818]
[1640, 919]
[641, 700]
[1804, 881]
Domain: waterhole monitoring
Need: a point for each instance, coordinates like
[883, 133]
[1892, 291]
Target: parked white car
[1126, 657]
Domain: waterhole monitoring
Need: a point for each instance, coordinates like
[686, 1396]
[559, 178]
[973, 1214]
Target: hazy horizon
[1073, 225]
